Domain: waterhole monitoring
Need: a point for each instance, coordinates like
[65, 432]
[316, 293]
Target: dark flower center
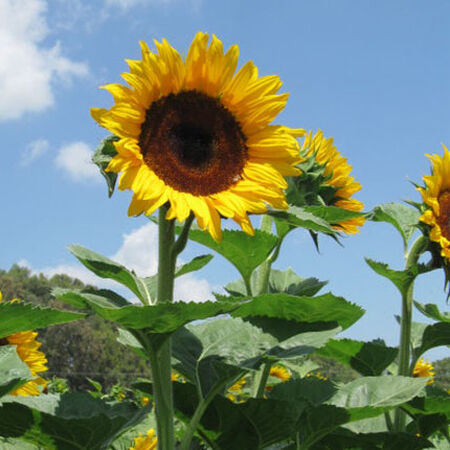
[193, 143]
[444, 213]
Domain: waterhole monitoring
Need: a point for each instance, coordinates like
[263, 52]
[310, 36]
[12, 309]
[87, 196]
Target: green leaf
[298, 217]
[401, 278]
[286, 281]
[324, 308]
[378, 392]
[245, 252]
[434, 336]
[429, 405]
[20, 316]
[196, 264]
[432, 311]
[13, 371]
[107, 268]
[367, 358]
[68, 422]
[401, 216]
[163, 317]
[80, 298]
[102, 156]
[127, 339]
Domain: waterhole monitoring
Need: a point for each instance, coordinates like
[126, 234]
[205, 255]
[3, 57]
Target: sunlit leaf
[402, 217]
[20, 316]
[107, 268]
[13, 371]
[432, 311]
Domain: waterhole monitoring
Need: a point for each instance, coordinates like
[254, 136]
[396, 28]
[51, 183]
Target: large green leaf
[286, 281]
[13, 371]
[326, 308]
[434, 336]
[68, 422]
[332, 214]
[430, 405]
[20, 316]
[163, 317]
[102, 156]
[80, 298]
[401, 278]
[367, 358]
[402, 217]
[107, 268]
[378, 392]
[432, 311]
[245, 252]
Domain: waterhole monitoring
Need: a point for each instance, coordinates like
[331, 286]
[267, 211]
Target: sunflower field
[195, 141]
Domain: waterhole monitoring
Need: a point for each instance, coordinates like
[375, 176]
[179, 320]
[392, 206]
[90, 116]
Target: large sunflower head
[197, 135]
[326, 180]
[27, 349]
[436, 198]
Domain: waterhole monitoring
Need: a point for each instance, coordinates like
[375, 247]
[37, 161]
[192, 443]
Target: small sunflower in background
[424, 368]
[279, 372]
[27, 349]
[436, 198]
[148, 442]
[197, 135]
[235, 390]
[326, 180]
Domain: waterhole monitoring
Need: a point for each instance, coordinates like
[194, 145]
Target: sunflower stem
[160, 361]
[262, 283]
[419, 246]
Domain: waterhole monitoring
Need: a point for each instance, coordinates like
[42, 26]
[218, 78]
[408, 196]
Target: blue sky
[374, 75]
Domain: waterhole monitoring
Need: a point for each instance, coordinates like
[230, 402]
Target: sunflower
[279, 372]
[27, 349]
[424, 368]
[145, 442]
[326, 180]
[197, 135]
[436, 196]
[236, 389]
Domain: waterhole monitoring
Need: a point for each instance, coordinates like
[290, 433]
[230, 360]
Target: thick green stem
[160, 358]
[261, 380]
[404, 355]
[262, 283]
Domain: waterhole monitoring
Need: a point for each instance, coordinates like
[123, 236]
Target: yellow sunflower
[198, 135]
[236, 389]
[145, 442]
[279, 372]
[27, 349]
[424, 368]
[436, 195]
[336, 185]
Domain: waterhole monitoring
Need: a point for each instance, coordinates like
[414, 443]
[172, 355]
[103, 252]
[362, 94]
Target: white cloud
[139, 251]
[126, 4]
[27, 69]
[33, 151]
[75, 160]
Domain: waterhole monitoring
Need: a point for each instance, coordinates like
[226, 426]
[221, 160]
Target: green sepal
[102, 156]
[20, 316]
[367, 358]
[13, 371]
[401, 216]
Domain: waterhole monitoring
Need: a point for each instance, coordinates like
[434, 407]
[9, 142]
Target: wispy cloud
[33, 151]
[28, 69]
[75, 160]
